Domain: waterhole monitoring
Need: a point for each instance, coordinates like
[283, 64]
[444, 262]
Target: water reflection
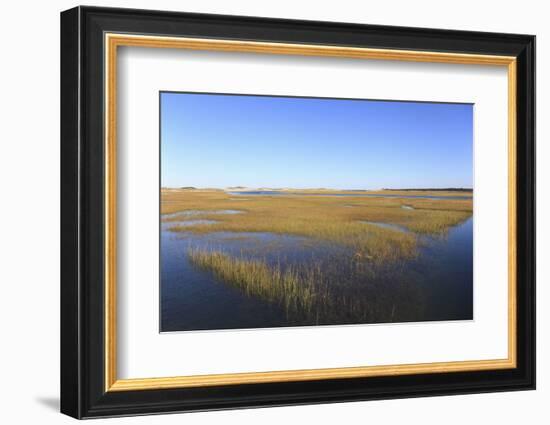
[386, 225]
[436, 285]
[357, 194]
[192, 213]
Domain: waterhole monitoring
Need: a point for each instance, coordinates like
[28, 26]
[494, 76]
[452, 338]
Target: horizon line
[314, 188]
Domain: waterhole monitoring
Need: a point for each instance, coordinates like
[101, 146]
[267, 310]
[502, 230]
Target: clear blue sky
[255, 141]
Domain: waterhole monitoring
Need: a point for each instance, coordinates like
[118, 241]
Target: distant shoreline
[289, 189]
[449, 193]
[447, 189]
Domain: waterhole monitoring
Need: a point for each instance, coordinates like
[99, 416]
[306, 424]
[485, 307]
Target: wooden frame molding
[114, 40]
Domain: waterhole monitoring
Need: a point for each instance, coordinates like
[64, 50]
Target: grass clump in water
[288, 288]
[311, 295]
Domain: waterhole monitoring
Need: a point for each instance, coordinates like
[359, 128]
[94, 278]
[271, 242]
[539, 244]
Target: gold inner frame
[113, 41]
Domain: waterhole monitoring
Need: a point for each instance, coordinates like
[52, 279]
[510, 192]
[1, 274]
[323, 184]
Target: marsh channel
[434, 285]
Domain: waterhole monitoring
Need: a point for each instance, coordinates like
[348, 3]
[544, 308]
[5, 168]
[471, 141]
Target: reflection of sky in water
[358, 194]
[386, 225]
[439, 280]
[192, 213]
[188, 223]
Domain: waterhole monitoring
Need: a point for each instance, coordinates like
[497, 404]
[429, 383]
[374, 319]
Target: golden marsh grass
[334, 219]
[294, 292]
[308, 294]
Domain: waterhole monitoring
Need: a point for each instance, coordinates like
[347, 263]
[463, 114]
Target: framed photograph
[261, 212]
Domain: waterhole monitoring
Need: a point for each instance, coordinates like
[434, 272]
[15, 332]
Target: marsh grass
[311, 294]
[369, 241]
[294, 291]
[322, 218]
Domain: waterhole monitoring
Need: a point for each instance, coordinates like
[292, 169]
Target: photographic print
[283, 211]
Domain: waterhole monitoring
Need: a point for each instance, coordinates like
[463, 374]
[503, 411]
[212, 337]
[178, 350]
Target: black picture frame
[83, 392]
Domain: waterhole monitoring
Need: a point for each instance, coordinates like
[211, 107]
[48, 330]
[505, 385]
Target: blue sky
[212, 140]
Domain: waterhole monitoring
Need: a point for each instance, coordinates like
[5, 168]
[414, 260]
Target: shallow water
[437, 285]
[358, 194]
[191, 213]
[193, 299]
[386, 225]
[193, 222]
